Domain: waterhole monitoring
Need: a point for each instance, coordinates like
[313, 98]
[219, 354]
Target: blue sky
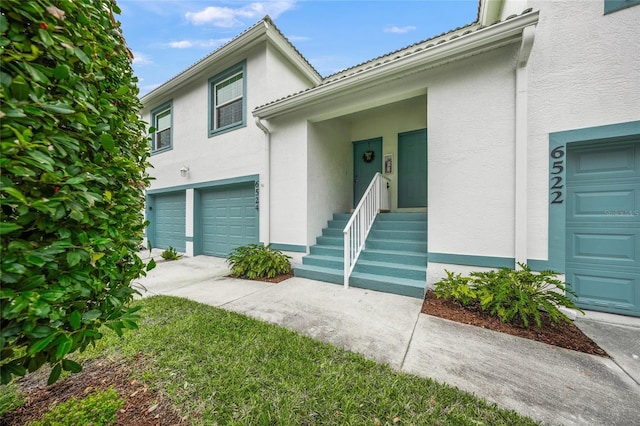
[167, 36]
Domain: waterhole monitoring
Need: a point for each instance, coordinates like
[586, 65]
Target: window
[161, 118]
[227, 100]
[613, 5]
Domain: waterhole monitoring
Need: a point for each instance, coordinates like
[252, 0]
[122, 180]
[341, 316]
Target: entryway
[412, 169]
[367, 161]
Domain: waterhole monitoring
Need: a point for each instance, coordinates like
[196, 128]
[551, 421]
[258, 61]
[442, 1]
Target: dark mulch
[565, 335]
[143, 406]
[274, 280]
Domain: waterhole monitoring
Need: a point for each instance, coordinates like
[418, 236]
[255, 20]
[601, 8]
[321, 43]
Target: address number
[556, 182]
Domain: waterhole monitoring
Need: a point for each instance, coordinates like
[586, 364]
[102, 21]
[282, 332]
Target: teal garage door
[603, 226]
[229, 218]
[168, 221]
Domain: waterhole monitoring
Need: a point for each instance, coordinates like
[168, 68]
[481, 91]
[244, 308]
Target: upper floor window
[613, 5]
[227, 100]
[162, 122]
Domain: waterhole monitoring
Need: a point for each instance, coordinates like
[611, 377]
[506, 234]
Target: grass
[221, 367]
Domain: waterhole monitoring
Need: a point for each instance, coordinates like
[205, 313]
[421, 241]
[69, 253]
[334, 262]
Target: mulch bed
[274, 280]
[143, 406]
[565, 335]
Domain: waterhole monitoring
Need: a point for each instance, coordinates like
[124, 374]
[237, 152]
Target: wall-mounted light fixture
[184, 171]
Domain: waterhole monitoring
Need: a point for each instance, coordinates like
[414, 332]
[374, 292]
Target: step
[342, 216]
[332, 232]
[400, 225]
[398, 235]
[401, 286]
[319, 273]
[324, 261]
[334, 251]
[402, 216]
[390, 270]
[393, 256]
[330, 241]
[397, 245]
[337, 224]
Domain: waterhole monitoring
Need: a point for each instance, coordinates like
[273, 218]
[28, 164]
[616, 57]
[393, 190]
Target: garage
[229, 218]
[167, 217]
[603, 225]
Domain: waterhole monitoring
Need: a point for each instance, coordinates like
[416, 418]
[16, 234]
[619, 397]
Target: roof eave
[293, 56]
[499, 34]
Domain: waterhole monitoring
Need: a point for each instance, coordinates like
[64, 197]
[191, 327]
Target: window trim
[239, 68]
[615, 5]
[154, 113]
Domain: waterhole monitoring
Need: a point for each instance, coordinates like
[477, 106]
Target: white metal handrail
[375, 198]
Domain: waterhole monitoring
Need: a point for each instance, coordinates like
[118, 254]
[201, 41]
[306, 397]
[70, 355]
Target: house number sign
[556, 183]
[257, 189]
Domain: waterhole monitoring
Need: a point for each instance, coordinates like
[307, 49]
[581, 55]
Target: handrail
[361, 221]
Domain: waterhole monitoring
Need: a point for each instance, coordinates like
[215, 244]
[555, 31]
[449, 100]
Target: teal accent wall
[472, 260]
[614, 5]
[557, 212]
[289, 247]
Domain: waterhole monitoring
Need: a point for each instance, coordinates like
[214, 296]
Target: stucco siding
[471, 156]
[583, 72]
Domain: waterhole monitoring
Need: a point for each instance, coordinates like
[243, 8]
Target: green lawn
[220, 367]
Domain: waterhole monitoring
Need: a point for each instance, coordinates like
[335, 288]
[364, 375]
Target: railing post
[347, 257]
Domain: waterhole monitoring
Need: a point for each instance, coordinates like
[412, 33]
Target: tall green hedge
[73, 158]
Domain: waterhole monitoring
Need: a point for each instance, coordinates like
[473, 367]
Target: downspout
[521, 146]
[265, 181]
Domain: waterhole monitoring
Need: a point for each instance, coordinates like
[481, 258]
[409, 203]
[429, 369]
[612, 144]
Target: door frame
[378, 161]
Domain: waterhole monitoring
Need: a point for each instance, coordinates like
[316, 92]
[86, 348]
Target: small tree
[73, 157]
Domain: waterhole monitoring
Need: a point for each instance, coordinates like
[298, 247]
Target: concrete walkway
[547, 383]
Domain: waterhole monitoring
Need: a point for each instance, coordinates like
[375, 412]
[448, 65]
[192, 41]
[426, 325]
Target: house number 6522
[555, 182]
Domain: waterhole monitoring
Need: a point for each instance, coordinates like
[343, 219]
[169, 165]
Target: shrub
[258, 261]
[511, 294]
[74, 154]
[170, 254]
[97, 409]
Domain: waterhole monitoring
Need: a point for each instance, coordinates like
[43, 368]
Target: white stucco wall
[583, 72]
[471, 156]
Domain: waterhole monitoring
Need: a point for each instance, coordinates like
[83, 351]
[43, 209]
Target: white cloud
[226, 17]
[399, 30]
[140, 58]
[185, 44]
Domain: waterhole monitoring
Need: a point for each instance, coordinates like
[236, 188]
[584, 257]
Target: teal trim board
[558, 142]
[207, 184]
[289, 247]
[614, 5]
[472, 260]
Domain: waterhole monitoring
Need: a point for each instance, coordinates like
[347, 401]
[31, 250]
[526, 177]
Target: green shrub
[511, 294]
[258, 261]
[73, 157]
[170, 254]
[97, 409]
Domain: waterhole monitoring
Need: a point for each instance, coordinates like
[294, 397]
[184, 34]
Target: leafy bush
[97, 409]
[170, 254]
[74, 154]
[511, 294]
[258, 261]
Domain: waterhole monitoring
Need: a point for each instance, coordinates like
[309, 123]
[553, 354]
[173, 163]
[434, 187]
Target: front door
[367, 161]
[603, 226]
[412, 169]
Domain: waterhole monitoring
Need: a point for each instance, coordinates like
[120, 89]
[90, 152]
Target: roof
[265, 28]
[439, 43]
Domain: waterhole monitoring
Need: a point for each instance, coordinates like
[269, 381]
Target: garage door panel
[603, 226]
[169, 216]
[229, 219]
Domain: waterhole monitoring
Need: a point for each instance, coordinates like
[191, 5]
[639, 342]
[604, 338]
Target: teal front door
[412, 169]
[603, 225]
[229, 218]
[367, 161]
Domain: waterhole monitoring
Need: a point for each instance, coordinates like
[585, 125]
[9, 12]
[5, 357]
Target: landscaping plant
[97, 409]
[170, 254]
[73, 157]
[511, 294]
[258, 261]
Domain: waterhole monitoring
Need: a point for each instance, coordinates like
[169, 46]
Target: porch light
[184, 171]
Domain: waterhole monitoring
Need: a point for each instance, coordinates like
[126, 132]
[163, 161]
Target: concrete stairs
[394, 259]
